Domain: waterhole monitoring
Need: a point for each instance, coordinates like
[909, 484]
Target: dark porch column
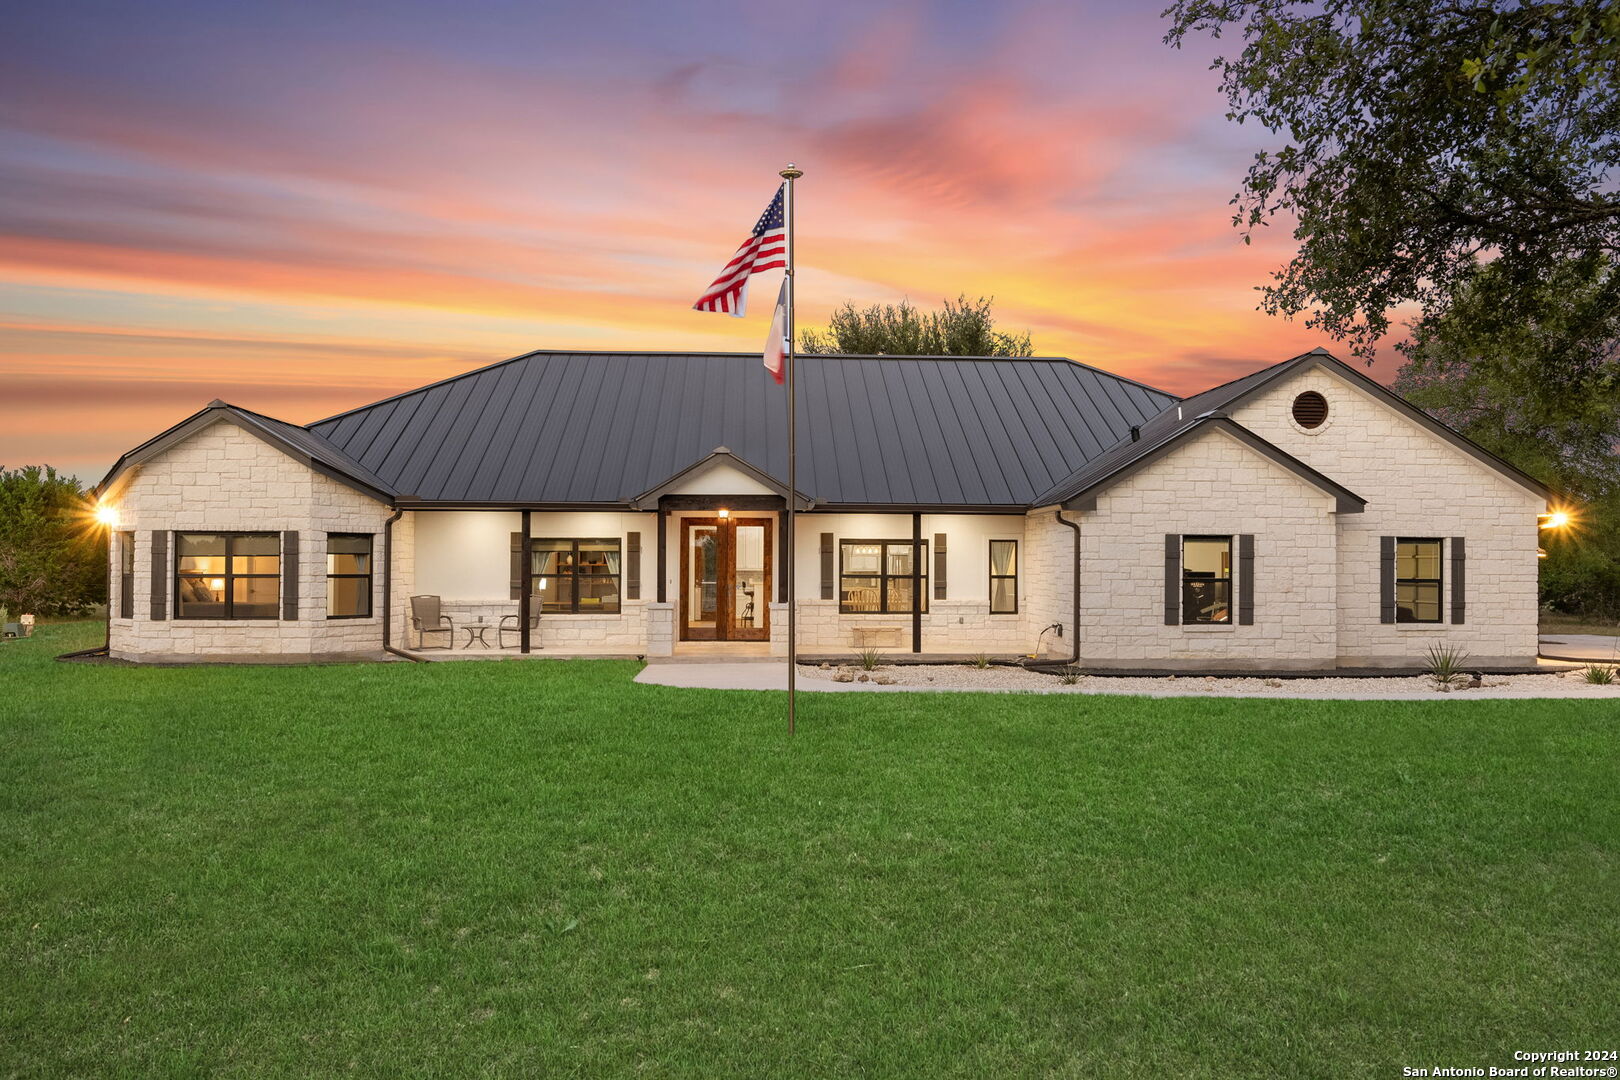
[916, 583]
[663, 520]
[528, 588]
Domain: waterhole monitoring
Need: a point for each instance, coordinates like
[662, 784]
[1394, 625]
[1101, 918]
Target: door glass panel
[702, 590]
[748, 593]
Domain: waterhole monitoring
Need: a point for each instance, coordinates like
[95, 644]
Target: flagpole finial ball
[792, 172]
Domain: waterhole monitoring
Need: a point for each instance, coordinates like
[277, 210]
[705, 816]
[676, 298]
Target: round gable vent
[1310, 409]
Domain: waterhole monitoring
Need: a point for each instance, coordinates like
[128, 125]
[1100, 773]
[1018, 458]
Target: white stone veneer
[223, 478]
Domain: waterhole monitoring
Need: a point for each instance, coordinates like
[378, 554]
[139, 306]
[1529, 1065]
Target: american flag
[765, 249]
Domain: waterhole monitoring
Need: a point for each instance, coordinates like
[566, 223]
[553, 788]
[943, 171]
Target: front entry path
[738, 676]
[1590, 647]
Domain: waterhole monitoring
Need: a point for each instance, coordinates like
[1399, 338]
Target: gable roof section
[1080, 491]
[721, 455]
[1226, 397]
[296, 442]
[592, 428]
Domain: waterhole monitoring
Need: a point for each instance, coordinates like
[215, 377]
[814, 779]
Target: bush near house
[52, 556]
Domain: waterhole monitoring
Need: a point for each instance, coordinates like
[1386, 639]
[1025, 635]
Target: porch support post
[663, 520]
[916, 583]
[782, 557]
[528, 588]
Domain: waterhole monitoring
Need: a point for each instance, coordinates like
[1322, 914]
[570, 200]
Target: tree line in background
[962, 327]
[52, 554]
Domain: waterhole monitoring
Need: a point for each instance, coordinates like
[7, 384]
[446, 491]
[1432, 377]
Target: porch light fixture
[107, 515]
[724, 513]
[1558, 519]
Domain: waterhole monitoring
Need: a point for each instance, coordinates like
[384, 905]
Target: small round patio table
[475, 633]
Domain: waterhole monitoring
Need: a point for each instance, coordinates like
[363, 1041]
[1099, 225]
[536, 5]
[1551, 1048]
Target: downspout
[1074, 656]
[388, 590]
[917, 598]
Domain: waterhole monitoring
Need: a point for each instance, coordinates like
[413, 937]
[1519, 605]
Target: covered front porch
[698, 567]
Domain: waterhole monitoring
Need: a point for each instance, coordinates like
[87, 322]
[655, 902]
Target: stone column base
[660, 629]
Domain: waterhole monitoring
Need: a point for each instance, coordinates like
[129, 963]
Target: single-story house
[578, 503]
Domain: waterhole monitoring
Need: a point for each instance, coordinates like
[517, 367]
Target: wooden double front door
[725, 579]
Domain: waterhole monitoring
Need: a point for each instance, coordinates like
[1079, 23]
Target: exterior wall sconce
[107, 515]
[1557, 519]
[724, 513]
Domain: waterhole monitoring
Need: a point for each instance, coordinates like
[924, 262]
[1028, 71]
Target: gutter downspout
[388, 590]
[1074, 657]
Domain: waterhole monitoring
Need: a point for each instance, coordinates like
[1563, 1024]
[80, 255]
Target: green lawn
[526, 869]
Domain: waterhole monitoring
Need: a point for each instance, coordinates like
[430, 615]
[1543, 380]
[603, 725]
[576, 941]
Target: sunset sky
[302, 207]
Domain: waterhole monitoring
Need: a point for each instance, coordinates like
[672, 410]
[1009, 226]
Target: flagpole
[790, 174]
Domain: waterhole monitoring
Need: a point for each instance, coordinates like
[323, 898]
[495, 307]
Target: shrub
[980, 661]
[869, 658]
[1444, 665]
[1069, 674]
[1599, 674]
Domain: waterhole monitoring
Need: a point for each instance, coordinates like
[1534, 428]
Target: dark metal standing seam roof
[576, 428]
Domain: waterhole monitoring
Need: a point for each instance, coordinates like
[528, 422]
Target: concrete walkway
[1597, 647]
[740, 676]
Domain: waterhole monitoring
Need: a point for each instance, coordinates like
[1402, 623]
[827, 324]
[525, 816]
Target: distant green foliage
[962, 327]
[1420, 142]
[52, 557]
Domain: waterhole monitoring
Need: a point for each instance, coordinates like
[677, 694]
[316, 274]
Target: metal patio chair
[426, 618]
[513, 624]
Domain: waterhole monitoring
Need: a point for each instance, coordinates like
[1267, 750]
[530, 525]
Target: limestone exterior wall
[223, 478]
[1049, 562]
[1416, 484]
[1213, 485]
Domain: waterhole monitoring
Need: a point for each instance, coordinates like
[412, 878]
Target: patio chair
[513, 624]
[426, 618]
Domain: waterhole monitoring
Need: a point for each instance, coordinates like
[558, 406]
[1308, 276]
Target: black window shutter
[160, 576]
[1386, 579]
[1246, 579]
[516, 563]
[826, 566]
[632, 570]
[1459, 580]
[289, 575]
[1172, 579]
[939, 566]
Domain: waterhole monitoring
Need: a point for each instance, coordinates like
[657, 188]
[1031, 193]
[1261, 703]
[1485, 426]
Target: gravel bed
[1568, 683]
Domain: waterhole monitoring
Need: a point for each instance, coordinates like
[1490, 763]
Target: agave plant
[1599, 674]
[1069, 674]
[869, 658]
[1444, 665]
[979, 660]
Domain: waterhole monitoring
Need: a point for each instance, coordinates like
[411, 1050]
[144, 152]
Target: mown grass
[524, 869]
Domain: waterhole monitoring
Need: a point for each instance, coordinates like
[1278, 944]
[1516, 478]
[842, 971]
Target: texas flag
[776, 342]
